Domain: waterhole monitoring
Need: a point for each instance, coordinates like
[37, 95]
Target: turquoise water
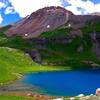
[65, 83]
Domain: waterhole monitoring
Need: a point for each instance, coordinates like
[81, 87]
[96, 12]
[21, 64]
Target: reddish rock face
[48, 19]
[96, 13]
[43, 20]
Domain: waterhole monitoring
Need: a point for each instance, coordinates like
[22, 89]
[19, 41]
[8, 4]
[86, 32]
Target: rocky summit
[48, 19]
[56, 33]
[43, 20]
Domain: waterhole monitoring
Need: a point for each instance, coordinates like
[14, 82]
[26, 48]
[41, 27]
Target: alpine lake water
[65, 83]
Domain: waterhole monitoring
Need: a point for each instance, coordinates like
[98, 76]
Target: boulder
[98, 91]
[29, 94]
[76, 32]
[80, 95]
[80, 49]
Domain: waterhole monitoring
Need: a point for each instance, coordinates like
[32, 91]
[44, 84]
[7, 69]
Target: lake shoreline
[42, 69]
[59, 83]
[35, 96]
[6, 89]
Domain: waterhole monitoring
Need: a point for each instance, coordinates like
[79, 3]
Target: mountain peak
[42, 20]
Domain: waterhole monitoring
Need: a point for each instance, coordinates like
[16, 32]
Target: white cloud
[1, 19]
[9, 10]
[26, 7]
[97, 8]
[87, 5]
[2, 5]
[74, 10]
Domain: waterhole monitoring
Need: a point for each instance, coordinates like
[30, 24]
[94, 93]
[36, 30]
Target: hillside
[72, 42]
[43, 20]
[14, 61]
[58, 47]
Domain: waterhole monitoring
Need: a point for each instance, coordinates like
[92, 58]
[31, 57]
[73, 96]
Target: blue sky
[13, 10]
[96, 1]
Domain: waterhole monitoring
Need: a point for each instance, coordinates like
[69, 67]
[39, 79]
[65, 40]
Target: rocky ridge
[43, 20]
[48, 19]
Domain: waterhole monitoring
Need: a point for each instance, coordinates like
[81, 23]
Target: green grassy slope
[13, 42]
[14, 62]
[67, 53]
[55, 33]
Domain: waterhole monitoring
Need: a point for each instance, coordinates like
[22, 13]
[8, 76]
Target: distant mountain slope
[13, 62]
[49, 19]
[54, 36]
[43, 20]
[3, 28]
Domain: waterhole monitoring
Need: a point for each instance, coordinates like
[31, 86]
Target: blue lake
[65, 83]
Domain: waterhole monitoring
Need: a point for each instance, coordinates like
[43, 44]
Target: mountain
[43, 20]
[48, 19]
[54, 36]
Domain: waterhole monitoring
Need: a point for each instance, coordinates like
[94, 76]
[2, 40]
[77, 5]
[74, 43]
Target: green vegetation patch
[14, 63]
[10, 97]
[68, 55]
[91, 27]
[55, 33]
[14, 42]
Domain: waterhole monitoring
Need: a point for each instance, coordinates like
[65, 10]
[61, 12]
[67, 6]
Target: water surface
[65, 83]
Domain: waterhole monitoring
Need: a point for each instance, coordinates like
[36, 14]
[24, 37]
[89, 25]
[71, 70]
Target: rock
[80, 95]
[34, 54]
[88, 62]
[98, 92]
[1, 84]
[80, 49]
[95, 65]
[76, 33]
[91, 94]
[87, 97]
[72, 98]
[59, 99]
[92, 64]
[96, 13]
[96, 44]
[29, 94]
